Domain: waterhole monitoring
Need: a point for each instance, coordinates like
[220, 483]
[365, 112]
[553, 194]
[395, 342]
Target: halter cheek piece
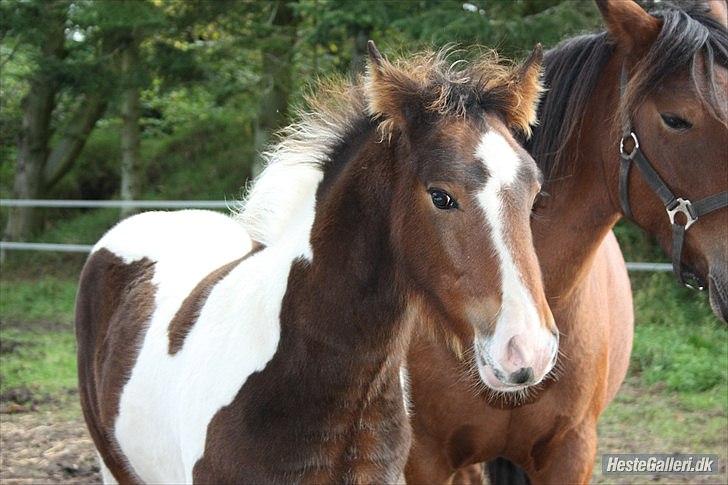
[691, 211]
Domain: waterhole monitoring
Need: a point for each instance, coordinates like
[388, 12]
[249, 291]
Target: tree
[276, 66]
[130, 131]
[41, 163]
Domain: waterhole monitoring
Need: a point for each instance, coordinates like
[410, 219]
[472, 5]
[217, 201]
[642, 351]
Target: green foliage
[636, 244]
[210, 160]
[203, 60]
[42, 362]
[678, 342]
[96, 173]
[47, 299]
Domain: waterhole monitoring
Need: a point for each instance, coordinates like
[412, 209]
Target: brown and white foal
[270, 348]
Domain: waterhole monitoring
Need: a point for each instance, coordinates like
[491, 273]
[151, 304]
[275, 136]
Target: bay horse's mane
[573, 69]
[338, 109]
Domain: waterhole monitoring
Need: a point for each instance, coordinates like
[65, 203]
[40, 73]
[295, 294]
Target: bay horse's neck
[580, 208]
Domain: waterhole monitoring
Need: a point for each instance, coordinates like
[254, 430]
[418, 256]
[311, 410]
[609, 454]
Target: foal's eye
[675, 122]
[442, 199]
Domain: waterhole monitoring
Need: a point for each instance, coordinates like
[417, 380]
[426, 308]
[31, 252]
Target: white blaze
[518, 313]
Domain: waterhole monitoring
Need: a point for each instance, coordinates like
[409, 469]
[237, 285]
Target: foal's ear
[528, 88]
[629, 25]
[375, 57]
[389, 91]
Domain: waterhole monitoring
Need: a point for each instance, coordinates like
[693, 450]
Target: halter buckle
[681, 206]
[630, 155]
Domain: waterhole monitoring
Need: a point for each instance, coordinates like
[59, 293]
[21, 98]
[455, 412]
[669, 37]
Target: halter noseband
[691, 211]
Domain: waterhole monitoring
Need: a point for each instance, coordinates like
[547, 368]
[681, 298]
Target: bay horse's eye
[675, 122]
[442, 199]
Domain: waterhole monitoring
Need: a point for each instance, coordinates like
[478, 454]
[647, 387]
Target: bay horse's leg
[505, 472]
[568, 459]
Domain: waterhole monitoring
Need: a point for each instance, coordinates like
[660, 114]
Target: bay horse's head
[675, 95]
[462, 205]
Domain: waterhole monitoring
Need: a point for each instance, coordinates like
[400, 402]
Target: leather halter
[691, 211]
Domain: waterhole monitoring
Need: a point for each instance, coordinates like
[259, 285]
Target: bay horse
[270, 347]
[660, 80]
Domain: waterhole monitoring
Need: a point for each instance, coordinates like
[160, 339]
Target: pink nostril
[514, 355]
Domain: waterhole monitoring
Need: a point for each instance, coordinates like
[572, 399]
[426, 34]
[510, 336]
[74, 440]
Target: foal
[207, 356]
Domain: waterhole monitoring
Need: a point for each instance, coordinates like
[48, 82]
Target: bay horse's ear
[528, 88]
[718, 9]
[390, 91]
[633, 29]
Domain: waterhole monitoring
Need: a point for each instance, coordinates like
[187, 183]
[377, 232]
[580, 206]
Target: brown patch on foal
[114, 306]
[191, 307]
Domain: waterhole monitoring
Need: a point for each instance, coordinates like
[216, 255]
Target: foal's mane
[333, 112]
[573, 69]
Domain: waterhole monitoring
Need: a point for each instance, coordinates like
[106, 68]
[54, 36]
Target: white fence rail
[118, 204]
[60, 248]
[162, 204]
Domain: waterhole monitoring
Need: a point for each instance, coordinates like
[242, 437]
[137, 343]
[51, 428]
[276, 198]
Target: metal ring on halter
[684, 207]
[629, 156]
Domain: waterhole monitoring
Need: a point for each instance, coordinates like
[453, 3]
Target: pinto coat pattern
[207, 356]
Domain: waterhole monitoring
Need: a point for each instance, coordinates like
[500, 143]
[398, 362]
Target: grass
[37, 345]
[43, 362]
[49, 299]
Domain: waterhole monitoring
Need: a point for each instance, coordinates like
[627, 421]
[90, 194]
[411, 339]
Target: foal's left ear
[389, 91]
[528, 88]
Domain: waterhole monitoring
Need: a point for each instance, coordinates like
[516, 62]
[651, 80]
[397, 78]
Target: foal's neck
[344, 317]
[360, 295]
[580, 209]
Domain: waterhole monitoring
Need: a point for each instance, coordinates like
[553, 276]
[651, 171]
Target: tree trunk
[75, 135]
[277, 59]
[130, 133]
[35, 130]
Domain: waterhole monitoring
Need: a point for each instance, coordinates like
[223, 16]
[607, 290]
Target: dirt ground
[50, 445]
[38, 447]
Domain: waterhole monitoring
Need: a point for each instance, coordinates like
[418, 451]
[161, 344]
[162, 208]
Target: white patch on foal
[518, 314]
[169, 400]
